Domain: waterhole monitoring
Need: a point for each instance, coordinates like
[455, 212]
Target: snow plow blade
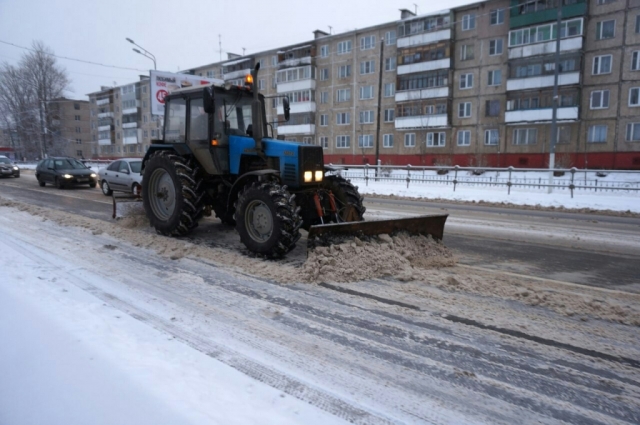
[330, 234]
[126, 205]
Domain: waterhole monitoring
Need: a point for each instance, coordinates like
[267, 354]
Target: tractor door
[209, 148]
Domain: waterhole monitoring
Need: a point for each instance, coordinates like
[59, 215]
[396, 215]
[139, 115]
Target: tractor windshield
[235, 112]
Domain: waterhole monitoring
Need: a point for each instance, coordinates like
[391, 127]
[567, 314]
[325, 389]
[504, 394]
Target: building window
[635, 61]
[79, 153]
[76, 106]
[365, 141]
[344, 71]
[343, 118]
[78, 141]
[464, 110]
[344, 95]
[344, 47]
[274, 60]
[144, 118]
[366, 92]
[492, 108]
[324, 120]
[261, 84]
[390, 64]
[324, 74]
[324, 51]
[78, 130]
[497, 16]
[368, 42]
[389, 115]
[466, 52]
[494, 77]
[495, 47]
[525, 136]
[366, 117]
[76, 117]
[638, 24]
[324, 142]
[367, 67]
[564, 134]
[466, 81]
[389, 89]
[409, 140]
[599, 99]
[153, 133]
[633, 132]
[307, 140]
[390, 38]
[436, 139]
[343, 142]
[634, 96]
[468, 22]
[597, 134]
[605, 29]
[545, 32]
[601, 2]
[491, 137]
[602, 64]
[144, 89]
[324, 97]
[464, 138]
[387, 141]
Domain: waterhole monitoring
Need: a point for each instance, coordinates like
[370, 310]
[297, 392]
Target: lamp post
[144, 52]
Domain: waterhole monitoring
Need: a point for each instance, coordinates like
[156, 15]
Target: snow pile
[399, 257]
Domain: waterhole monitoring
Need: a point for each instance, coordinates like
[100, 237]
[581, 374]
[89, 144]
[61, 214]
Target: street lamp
[144, 52]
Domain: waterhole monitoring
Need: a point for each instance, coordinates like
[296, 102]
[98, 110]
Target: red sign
[160, 95]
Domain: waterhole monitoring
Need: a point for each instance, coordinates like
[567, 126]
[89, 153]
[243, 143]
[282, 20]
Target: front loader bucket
[329, 234]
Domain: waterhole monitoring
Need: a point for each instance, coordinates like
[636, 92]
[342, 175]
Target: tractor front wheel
[267, 219]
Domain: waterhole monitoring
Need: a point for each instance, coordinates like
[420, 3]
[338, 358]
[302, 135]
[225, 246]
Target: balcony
[104, 141]
[105, 128]
[299, 107]
[308, 84]
[130, 125]
[422, 121]
[101, 102]
[287, 130]
[540, 12]
[541, 115]
[565, 79]
[105, 115]
[548, 47]
[130, 111]
[424, 66]
[424, 38]
[233, 75]
[422, 94]
[131, 140]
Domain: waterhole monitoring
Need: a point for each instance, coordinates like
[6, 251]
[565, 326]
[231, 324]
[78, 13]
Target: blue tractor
[216, 157]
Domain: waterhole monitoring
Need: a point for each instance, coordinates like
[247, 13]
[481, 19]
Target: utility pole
[43, 147]
[554, 117]
[380, 71]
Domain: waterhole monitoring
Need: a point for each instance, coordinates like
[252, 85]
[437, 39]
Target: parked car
[122, 175]
[8, 168]
[64, 172]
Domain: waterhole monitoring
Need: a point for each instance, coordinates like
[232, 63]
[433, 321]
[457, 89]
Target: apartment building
[473, 85]
[122, 124]
[70, 127]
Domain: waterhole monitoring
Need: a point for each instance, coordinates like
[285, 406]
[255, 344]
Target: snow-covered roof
[236, 62]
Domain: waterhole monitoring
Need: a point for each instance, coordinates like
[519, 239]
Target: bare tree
[25, 91]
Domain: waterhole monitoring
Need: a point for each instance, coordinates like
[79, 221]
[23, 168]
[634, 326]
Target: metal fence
[562, 179]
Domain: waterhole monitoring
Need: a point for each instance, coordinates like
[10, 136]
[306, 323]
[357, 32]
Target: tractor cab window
[175, 127]
[235, 113]
[199, 121]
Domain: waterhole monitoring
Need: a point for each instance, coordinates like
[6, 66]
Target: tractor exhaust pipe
[257, 123]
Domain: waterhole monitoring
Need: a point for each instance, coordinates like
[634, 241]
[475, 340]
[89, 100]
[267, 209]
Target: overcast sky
[181, 34]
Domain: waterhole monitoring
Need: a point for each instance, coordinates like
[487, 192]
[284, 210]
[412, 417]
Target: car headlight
[319, 175]
[93, 175]
[67, 176]
[16, 168]
[307, 176]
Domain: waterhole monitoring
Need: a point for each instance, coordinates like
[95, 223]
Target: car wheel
[59, 184]
[106, 190]
[136, 189]
[41, 182]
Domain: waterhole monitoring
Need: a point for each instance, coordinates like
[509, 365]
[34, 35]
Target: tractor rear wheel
[267, 219]
[170, 193]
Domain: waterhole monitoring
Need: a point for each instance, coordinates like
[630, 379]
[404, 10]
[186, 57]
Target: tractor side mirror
[207, 99]
[286, 107]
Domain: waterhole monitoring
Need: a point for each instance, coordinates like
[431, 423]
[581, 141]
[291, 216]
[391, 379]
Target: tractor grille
[311, 157]
[290, 173]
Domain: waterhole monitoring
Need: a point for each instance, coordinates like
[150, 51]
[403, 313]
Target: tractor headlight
[307, 176]
[319, 175]
[67, 176]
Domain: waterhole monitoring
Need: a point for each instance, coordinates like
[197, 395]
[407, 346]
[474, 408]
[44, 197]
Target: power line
[75, 60]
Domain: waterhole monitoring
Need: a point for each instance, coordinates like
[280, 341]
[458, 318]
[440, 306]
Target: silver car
[122, 175]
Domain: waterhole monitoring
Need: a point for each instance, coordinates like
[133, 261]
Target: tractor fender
[180, 149]
[243, 180]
